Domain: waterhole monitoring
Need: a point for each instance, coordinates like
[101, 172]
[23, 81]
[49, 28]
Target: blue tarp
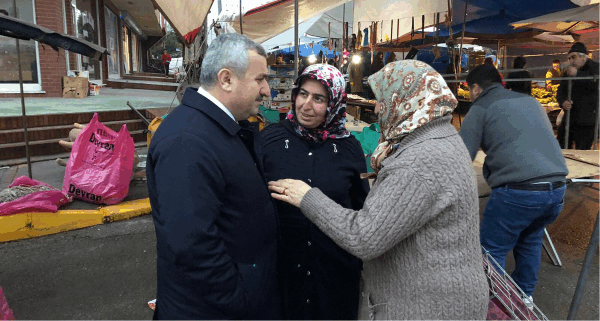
[494, 17]
[306, 50]
[498, 24]
[523, 9]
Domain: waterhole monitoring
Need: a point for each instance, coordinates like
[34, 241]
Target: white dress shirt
[215, 101]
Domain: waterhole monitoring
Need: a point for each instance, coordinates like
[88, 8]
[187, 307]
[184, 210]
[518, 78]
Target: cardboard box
[281, 83]
[75, 87]
[281, 105]
[95, 89]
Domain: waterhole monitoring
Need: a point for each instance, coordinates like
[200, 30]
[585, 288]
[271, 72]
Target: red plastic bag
[101, 164]
[37, 197]
[5, 312]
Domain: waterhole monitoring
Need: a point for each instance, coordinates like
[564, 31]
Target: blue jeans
[515, 220]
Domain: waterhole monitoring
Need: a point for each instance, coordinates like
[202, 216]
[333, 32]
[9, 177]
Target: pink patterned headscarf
[411, 94]
[335, 118]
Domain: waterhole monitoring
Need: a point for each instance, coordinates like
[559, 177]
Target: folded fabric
[5, 312]
[29, 195]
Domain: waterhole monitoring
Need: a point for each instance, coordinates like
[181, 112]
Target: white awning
[185, 16]
[274, 18]
[567, 20]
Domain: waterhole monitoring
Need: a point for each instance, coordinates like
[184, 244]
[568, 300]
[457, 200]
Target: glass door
[126, 63]
[112, 43]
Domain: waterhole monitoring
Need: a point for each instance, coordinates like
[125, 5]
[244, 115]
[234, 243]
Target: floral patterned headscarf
[411, 94]
[335, 117]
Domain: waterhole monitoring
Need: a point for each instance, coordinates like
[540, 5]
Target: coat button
[309, 180]
[309, 244]
[310, 154]
[307, 301]
[307, 272]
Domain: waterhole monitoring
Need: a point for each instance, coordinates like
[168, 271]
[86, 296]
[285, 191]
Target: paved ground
[109, 271]
[101, 272]
[109, 99]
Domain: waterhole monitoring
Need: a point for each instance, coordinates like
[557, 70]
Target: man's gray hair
[229, 51]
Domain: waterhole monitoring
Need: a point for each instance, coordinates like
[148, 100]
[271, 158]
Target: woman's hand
[289, 190]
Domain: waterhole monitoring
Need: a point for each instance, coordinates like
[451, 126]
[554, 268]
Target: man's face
[556, 66]
[577, 60]
[251, 89]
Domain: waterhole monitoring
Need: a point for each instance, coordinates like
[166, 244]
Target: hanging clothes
[366, 37]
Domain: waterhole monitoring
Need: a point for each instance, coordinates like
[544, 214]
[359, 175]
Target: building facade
[127, 28]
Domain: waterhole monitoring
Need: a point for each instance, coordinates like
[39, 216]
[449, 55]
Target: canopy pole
[462, 39]
[23, 101]
[241, 19]
[343, 38]
[296, 40]
[568, 116]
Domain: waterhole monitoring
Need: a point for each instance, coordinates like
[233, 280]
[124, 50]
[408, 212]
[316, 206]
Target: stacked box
[281, 85]
[75, 87]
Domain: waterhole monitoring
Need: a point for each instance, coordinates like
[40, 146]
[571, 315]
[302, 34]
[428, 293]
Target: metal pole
[23, 100]
[568, 114]
[296, 40]
[462, 39]
[596, 129]
[449, 16]
[241, 19]
[587, 262]
[553, 255]
[343, 38]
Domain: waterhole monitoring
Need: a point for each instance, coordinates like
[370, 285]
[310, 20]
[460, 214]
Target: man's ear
[226, 80]
[476, 89]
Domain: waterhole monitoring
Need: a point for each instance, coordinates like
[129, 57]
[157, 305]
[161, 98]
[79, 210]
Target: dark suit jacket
[216, 228]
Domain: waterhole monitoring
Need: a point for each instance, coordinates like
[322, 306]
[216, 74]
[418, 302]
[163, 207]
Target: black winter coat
[216, 226]
[523, 87]
[584, 94]
[320, 280]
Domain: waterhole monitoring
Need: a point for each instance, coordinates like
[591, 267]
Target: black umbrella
[19, 29]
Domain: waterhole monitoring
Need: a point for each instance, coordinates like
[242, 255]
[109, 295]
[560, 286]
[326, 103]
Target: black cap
[578, 47]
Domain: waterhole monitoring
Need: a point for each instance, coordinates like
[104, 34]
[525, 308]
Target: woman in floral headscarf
[418, 231]
[320, 280]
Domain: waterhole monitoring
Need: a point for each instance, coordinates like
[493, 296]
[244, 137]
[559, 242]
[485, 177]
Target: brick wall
[49, 14]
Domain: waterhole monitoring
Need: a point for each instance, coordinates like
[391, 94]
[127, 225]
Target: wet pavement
[109, 271]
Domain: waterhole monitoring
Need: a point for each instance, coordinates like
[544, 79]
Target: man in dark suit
[216, 229]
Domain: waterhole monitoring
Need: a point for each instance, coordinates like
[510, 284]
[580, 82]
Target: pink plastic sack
[40, 197]
[5, 312]
[101, 164]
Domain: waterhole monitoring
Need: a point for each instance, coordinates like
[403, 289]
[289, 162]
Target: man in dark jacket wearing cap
[584, 99]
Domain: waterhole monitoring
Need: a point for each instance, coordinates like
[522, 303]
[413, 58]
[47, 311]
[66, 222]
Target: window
[9, 61]
[112, 43]
[86, 28]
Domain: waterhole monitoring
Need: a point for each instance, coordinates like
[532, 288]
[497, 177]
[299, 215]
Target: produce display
[464, 94]
[544, 96]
